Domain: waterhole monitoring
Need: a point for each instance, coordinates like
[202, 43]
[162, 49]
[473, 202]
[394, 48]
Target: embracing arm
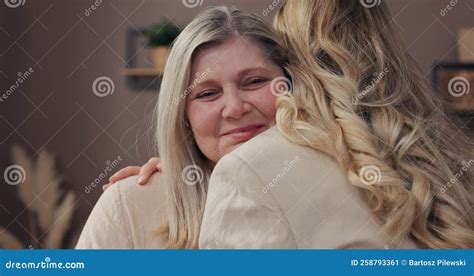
[144, 172]
[239, 214]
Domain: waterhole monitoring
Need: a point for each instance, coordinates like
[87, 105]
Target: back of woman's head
[363, 100]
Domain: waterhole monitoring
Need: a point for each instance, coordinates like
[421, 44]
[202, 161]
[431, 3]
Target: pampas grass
[62, 221]
[8, 241]
[50, 210]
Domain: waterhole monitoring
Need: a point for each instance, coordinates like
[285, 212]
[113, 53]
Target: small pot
[159, 55]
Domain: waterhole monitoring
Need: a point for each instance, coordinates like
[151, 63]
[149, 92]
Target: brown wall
[55, 108]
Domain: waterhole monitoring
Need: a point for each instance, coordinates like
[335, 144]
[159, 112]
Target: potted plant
[160, 36]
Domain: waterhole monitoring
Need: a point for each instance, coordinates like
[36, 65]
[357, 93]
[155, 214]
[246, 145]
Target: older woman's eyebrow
[248, 71]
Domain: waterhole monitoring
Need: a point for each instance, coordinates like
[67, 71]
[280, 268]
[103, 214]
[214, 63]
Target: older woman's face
[230, 99]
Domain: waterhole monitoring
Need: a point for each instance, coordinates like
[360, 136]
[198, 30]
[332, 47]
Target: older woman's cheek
[266, 104]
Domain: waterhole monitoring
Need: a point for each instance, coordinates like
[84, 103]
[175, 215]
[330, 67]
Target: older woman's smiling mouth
[246, 132]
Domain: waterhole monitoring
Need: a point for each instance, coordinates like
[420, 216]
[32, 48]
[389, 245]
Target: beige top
[126, 216]
[271, 193]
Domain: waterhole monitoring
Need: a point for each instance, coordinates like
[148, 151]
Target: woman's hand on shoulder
[144, 172]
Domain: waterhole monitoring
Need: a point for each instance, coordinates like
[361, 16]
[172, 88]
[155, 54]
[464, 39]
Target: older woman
[217, 92]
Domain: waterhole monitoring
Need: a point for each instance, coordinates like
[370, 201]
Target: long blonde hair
[182, 161]
[387, 131]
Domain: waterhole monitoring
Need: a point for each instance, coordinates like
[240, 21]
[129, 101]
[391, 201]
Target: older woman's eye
[255, 82]
[206, 94]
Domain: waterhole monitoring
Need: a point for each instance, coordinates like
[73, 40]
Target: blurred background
[80, 78]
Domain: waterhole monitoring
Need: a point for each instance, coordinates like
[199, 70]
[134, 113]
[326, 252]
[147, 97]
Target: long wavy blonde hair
[363, 101]
[180, 156]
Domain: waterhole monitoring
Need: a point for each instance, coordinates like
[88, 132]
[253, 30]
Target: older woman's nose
[234, 104]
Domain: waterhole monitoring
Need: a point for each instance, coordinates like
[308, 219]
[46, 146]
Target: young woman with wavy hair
[409, 163]
[398, 126]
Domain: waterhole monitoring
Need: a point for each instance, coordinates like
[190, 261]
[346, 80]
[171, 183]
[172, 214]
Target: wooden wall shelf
[147, 72]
